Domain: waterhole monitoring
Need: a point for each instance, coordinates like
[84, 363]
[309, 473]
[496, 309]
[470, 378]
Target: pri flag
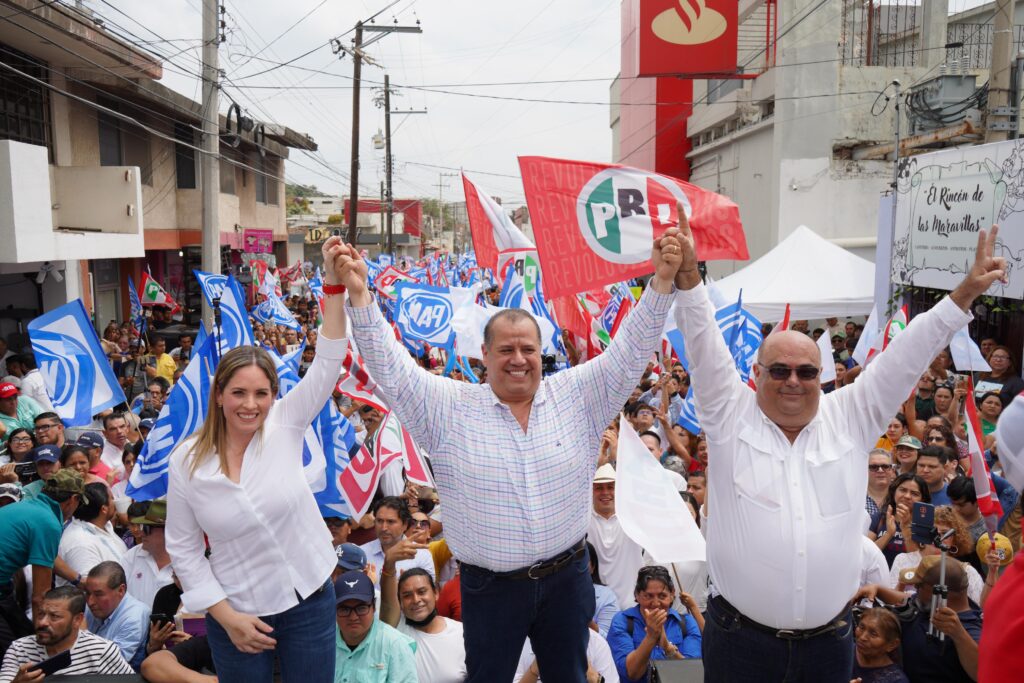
[393, 443]
[152, 294]
[595, 223]
[388, 280]
[77, 375]
[897, 324]
[492, 230]
[182, 414]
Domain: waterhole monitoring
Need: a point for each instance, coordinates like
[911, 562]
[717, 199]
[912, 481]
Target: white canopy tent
[815, 277]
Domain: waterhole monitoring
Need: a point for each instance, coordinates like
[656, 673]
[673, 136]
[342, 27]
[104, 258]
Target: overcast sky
[465, 45]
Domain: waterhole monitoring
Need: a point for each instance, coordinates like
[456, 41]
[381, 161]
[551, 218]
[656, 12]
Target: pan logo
[619, 211]
[689, 22]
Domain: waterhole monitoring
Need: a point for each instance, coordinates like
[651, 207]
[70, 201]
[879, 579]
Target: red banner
[687, 37]
[411, 210]
[595, 223]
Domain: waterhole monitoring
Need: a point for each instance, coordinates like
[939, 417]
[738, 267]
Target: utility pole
[357, 66]
[440, 199]
[353, 186]
[389, 161]
[383, 209]
[210, 165]
[1002, 113]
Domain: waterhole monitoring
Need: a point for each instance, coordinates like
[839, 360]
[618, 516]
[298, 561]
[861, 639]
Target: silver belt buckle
[785, 633]
[529, 572]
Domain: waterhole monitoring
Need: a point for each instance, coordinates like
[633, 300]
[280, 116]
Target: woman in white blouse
[239, 480]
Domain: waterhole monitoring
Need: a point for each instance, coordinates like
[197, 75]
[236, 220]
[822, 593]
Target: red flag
[492, 230]
[624, 308]
[359, 481]
[595, 223]
[152, 294]
[984, 489]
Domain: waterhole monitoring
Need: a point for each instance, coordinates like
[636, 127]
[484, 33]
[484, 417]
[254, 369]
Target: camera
[26, 472]
[549, 363]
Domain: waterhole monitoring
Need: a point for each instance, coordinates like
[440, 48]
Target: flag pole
[216, 327]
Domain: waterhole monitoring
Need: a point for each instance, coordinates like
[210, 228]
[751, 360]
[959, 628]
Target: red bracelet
[333, 289]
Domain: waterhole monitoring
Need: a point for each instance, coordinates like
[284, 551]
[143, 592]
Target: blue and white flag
[688, 415]
[78, 377]
[287, 371]
[740, 329]
[274, 311]
[235, 329]
[540, 309]
[182, 414]
[424, 313]
[513, 291]
[385, 260]
[330, 443]
[136, 311]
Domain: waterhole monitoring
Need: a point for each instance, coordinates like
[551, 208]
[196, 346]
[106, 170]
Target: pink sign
[258, 241]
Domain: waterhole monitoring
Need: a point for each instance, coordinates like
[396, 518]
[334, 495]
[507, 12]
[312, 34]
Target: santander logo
[690, 22]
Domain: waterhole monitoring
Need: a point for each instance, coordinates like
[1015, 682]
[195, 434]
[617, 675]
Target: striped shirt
[512, 499]
[89, 655]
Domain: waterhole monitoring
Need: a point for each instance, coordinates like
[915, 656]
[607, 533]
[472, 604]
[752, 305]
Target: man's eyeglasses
[45, 427]
[879, 467]
[360, 610]
[781, 372]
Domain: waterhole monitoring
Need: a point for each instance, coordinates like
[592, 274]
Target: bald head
[791, 402]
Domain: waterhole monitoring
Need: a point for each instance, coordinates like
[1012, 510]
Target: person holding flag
[788, 480]
[513, 461]
[239, 481]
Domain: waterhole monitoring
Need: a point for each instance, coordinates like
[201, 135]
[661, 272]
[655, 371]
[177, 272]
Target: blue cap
[353, 586]
[351, 557]
[46, 453]
[90, 440]
[147, 423]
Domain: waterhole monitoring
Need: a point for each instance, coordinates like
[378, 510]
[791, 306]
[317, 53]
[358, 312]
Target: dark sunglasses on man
[781, 372]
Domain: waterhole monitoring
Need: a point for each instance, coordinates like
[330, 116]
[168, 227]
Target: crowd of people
[516, 566]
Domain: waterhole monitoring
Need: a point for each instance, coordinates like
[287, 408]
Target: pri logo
[619, 212]
[427, 316]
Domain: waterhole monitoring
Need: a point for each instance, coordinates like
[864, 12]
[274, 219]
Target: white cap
[605, 473]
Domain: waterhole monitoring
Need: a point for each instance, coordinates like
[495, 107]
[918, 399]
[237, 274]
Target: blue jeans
[499, 613]
[735, 652]
[305, 636]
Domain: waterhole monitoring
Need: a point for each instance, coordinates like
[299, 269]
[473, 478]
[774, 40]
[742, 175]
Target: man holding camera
[787, 486]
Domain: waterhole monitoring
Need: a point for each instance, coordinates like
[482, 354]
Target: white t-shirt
[907, 561]
[873, 568]
[440, 657]
[620, 557]
[599, 655]
[84, 545]
[144, 577]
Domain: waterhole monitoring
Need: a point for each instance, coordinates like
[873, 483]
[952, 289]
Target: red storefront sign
[687, 37]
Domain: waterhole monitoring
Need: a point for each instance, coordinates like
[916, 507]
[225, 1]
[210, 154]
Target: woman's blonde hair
[961, 538]
[212, 436]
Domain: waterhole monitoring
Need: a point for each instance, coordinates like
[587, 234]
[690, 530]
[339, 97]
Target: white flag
[649, 507]
[828, 363]
[867, 338]
[966, 354]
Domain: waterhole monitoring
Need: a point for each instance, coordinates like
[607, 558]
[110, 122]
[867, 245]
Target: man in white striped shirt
[58, 628]
[513, 460]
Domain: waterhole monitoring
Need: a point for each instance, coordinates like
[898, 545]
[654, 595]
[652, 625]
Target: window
[266, 181]
[121, 143]
[23, 103]
[227, 176]
[185, 157]
[720, 87]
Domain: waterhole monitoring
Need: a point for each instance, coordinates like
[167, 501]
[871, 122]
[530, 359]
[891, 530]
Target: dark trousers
[735, 652]
[305, 637]
[499, 613]
[13, 623]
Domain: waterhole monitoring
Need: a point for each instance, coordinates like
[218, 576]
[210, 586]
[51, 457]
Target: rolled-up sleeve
[184, 540]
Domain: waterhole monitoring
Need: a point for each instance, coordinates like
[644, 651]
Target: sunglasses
[780, 372]
[936, 439]
[366, 410]
[421, 523]
[879, 468]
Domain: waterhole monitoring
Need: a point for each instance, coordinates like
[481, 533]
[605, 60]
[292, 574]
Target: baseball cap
[66, 481]
[353, 585]
[90, 440]
[909, 442]
[1002, 545]
[351, 557]
[13, 491]
[7, 390]
[605, 473]
[156, 514]
[46, 453]
[928, 572]
[147, 423]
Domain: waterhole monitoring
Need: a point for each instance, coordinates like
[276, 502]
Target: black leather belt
[538, 570]
[837, 623]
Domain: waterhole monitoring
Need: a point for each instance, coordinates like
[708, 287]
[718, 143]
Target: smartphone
[54, 664]
[159, 619]
[922, 523]
[26, 472]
